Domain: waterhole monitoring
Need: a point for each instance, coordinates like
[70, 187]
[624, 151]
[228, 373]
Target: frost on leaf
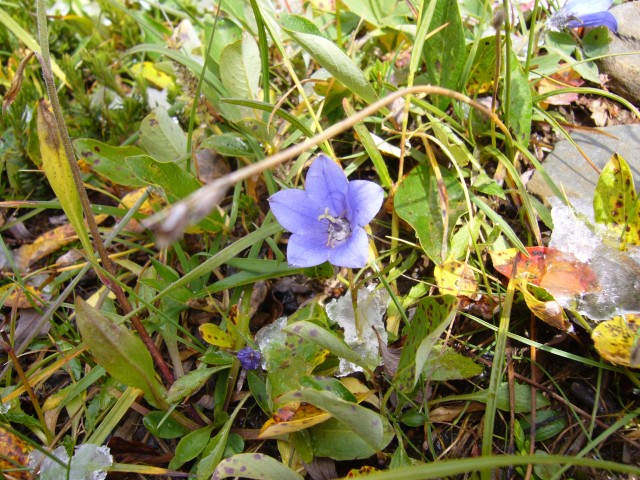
[618, 273]
[359, 333]
[87, 463]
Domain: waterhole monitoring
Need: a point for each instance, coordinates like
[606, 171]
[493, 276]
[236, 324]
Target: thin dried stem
[170, 224]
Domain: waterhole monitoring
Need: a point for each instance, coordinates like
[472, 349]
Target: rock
[624, 70]
[571, 172]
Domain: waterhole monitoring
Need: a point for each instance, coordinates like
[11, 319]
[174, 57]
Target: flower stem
[354, 300]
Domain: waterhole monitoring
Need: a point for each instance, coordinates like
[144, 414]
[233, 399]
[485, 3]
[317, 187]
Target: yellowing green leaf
[618, 340]
[119, 351]
[433, 316]
[615, 202]
[58, 171]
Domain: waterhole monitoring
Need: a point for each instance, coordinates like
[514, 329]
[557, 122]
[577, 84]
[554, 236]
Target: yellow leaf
[151, 74]
[11, 295]
[48, 243]
[286, 420]
[455, 278]
[130, 199]
[214, 335]
[618, 340]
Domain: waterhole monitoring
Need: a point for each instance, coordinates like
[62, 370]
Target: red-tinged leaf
[557, 272]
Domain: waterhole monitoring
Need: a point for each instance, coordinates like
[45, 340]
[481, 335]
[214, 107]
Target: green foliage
[155, 95]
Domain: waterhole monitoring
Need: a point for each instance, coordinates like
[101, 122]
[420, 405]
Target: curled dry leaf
[16, 84]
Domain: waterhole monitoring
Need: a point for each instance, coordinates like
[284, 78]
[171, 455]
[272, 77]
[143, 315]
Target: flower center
[338, 228]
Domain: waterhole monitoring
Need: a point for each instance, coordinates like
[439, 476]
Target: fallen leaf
[565, 78]
[455, 278]
[20, 297]
[560, 273]
[48, 243]
[618, 340]
[151, 74]
[15, 455]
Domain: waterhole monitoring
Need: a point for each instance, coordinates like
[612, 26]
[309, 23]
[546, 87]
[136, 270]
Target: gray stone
[571, 172]
[623, 65]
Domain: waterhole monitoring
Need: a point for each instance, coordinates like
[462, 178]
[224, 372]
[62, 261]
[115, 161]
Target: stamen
[338, 228]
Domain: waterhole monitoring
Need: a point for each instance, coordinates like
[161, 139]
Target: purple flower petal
[365, 199]
[579, 8]
[353, 253]
[327, 185]
[297, 212]
[595, 20]
[307, 250]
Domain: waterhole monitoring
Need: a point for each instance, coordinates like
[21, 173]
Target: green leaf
[371, 148]
[418, 203]
[239, 70]
[595, 42]
[26, 38]
[254, 465]
[549, 423]
[161, 137]
[615, 202]
[365, 423]
[446, 364]
[336, 440]
[176, 183]
[520, 102]
[284, 374]
[329, 56]
[118, 350]
[190, 446]
[108, 161]
[162, 425]
[315, 334]
[482, 74]
[216, 447]
[522, 398]
[432, 317]
[190, 383]
[230, 145]
[444, 52]
[226, 32]
[379, 13]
